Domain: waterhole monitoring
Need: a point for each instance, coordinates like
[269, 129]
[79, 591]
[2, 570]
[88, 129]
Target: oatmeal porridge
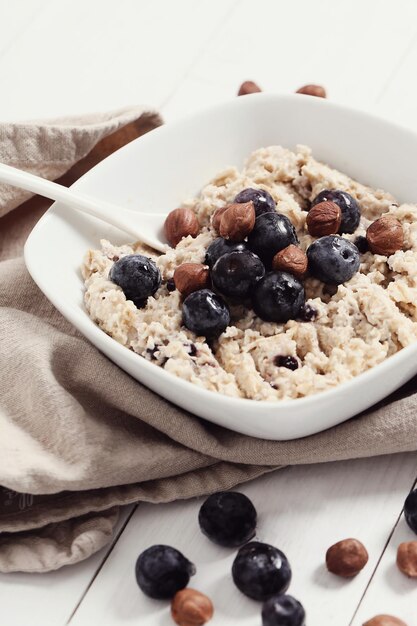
[290, 278]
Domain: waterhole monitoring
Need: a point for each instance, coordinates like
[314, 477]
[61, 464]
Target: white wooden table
[69, 56]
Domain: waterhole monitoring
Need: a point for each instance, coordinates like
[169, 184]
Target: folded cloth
[80, 437]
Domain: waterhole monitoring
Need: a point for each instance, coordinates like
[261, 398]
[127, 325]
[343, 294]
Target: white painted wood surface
[391, 591]
[67, 56]
[302, 511]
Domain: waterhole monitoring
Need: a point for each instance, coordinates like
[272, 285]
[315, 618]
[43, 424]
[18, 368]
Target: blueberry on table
[138, 277]
[161, 571]
[272, 232]
[410, 510]
[261, 571]
[221, 246]
[205, 313]
[333, 260]
[263, 202]
[278, 297]
[228, 518]
[235, 274]
[283, 610]
[351, 213]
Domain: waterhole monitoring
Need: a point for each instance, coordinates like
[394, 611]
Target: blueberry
[221, 246]
[333, 260]
[410, 510]
[161, 571]
[272, 232]
[283, 611]
[205, 313]
[235, 274]
[351, 213]
[261, 571]
[228, 518]
[278, 297]
[263, 202]
[361, 243]
[290, 362]
[138, 277]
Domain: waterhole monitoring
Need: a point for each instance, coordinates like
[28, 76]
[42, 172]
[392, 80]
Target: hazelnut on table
[384, 620]
[346, 558]
[312, 90]
[247, 87]
[190, 607]
[407, 558]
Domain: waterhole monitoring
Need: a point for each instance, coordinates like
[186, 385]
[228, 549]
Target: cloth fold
[78, 436]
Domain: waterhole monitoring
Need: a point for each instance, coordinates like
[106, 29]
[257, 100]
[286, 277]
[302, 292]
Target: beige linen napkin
[78, 436]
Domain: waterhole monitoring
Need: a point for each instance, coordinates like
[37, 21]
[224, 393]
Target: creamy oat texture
[358, 324]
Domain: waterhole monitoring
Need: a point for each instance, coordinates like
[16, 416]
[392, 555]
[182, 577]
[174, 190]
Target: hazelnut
[385, 236]
[346, 558]
[312, 90]
[180, 223]
[191, 608]
[291, 259]
[217, 216]
[384, 620]
[407, 558]
[248, 87]
[237, 221]
[324, 219]
[190, 277]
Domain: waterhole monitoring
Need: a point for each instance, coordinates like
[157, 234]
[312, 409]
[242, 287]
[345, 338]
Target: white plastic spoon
[145, 227]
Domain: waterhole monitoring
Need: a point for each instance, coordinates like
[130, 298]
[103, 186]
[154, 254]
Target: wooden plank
[16, 19]
[84, 56]
[49, 599]
[349, 47]
[390, 591]
[397, 99]
[302, 510]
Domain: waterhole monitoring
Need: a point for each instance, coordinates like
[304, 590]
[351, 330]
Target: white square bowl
[171, 163]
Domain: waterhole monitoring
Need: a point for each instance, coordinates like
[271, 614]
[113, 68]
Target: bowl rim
[87, 326]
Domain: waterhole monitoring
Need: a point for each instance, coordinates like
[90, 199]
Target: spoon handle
[125, 219]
